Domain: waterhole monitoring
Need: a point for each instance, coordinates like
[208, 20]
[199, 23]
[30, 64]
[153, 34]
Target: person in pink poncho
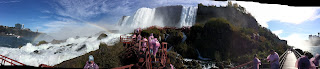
[150, 39]
[91, 64]
[315, 60]
[256, 62]
[144, 44]
[156, 45]
[273, 58]
[134, 37]
[139, 38]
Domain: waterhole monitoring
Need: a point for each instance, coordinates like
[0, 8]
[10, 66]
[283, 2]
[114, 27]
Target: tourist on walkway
[150, 39]
[256, 62]
[144, 43]
[139, 38]
[304, 63]
[134, 37]
[155, 48]
[315, 60]
[90, 64]
[273, 58]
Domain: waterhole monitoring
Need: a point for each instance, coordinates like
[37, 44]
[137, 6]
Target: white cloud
[86, 9]
[4, 2]
[267, 12]
[46, 11]
[277, 32]
[44, 17]
[54, 26]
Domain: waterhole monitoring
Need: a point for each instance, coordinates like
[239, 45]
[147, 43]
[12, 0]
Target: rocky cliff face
[231, 14]
[169, 15]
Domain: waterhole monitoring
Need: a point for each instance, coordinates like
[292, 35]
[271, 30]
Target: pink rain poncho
[256, 63]
[150, 39]
[275, 56]
[144, 44]
[91, 66]
[134, 37]
[139, 37]
[315, 60]
[156, 45]
[304, 63]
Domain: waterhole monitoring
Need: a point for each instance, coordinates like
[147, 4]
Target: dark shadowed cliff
[232, 14]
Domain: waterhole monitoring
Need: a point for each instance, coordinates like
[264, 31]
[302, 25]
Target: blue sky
[291, 23]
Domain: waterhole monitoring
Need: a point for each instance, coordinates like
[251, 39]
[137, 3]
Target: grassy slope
[105, 57]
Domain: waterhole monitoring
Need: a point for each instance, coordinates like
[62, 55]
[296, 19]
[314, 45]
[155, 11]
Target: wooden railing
[133, 45]
[283, 58]
[125, 39]
[242, 65]
[9, 60]
[296, 53]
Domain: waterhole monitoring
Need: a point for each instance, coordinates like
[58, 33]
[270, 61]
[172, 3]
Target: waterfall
[200, 57]
[123, 20]
[184, 37]
[188, 16]
[143, 17]
[172, 16]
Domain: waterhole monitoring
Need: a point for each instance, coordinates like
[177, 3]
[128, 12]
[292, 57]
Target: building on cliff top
[18, 26]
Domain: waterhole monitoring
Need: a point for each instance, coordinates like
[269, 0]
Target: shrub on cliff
[186, 51]
[175, 59]
[42, 42]
[213, 38]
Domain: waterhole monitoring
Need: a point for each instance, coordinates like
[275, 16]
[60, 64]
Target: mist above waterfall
[172, 16]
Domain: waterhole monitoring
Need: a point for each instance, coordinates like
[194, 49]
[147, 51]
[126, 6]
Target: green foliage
[200, 4]
[186, 51]
[175, 60]
[105, 57]
[216, 38]
[175, 37]
[42, 42]
[147, 32]
[212, 37]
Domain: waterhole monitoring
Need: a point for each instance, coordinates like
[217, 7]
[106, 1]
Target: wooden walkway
[290, 61]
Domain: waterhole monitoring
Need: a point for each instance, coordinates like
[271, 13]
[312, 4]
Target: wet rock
[36, 51]
[83, 46]
[101, 36]
[49, 47]
[59, 51]
[57, 41]
[77, 37]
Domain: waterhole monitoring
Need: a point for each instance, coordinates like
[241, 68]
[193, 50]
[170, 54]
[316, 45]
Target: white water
[145, 17]
[64, 51]
[123, 20]
[188, 16]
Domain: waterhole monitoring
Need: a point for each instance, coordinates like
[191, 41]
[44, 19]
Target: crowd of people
[304, 62]
[308, 62]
